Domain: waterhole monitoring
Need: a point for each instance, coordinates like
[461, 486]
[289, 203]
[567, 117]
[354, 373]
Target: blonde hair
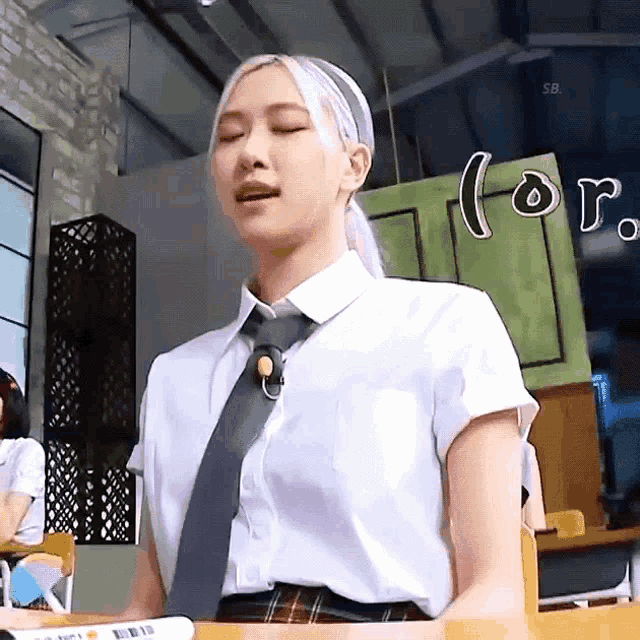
[321, 83]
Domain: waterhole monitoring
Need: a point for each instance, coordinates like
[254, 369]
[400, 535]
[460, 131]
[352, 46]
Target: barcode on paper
[133, 632]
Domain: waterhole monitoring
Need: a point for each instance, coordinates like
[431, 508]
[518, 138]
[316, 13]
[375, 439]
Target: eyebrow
[278, 106]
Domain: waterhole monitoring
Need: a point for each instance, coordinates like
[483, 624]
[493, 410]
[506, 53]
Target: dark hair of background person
[14, 420]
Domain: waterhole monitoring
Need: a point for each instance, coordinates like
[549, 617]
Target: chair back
[56, 544]
[529, 569]
[568, 524]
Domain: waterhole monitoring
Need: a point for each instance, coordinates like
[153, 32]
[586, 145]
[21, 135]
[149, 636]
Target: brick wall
[76, 107]
[45, 85]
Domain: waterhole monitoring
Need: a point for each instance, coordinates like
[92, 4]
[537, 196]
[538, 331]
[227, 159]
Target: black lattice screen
[90, 381]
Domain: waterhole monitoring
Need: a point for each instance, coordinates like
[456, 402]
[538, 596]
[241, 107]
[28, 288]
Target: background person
[22, 471]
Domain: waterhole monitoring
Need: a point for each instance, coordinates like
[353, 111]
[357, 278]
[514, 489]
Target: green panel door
[512, 266]
[527, 266]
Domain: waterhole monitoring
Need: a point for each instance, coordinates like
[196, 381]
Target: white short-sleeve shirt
[344, 487]
[22, 471]
[529, 461]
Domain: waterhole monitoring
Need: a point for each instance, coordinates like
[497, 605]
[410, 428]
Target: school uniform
[343, 489]
[22, 471]
[528, 461]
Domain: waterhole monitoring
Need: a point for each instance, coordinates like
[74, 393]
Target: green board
[527, 266]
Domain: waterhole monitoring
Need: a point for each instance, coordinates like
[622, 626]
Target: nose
[255, 150]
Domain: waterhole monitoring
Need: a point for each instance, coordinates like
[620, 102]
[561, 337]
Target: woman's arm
[13, 508]
[147, 596]
[484, 466]
[26, 484]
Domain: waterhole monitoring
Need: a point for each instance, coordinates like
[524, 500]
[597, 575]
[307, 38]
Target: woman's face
[277, 181]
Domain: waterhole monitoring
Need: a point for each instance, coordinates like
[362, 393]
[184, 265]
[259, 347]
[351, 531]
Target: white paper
[169, 628]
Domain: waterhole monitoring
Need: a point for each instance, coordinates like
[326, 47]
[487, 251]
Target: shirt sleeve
[478, 372]
[136, 459]
[29, 467]
[528, 457]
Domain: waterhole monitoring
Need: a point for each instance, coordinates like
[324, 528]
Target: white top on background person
[423, 373]
[22, 469]
[22, 482]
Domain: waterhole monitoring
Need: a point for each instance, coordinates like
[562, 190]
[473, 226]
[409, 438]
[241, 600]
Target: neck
[279, 272]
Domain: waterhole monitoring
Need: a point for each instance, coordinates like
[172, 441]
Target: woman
[21, 470]
[404, 410]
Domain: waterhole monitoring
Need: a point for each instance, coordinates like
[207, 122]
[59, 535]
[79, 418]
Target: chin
[279, 243]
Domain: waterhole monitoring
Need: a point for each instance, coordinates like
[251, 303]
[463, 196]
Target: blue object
[24, 588]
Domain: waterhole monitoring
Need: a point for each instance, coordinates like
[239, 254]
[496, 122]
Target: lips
[255, 191]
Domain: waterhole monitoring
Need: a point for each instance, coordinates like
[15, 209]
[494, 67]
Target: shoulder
[26, 449]
[432, 290]
[424, 297]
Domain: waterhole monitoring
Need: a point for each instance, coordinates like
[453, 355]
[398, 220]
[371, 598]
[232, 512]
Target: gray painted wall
[102, 578]
[189, 271]
[189, 265]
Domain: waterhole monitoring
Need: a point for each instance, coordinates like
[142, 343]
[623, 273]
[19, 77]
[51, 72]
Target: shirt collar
[320, 297]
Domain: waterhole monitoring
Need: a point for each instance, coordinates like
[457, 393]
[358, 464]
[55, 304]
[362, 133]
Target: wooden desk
[619, 622]
[594, 537]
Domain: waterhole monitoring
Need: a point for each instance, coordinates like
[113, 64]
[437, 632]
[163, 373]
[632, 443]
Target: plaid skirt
[290, 603]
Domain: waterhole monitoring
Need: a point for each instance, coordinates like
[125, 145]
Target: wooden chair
[530, 569]
[616, 561]
[47, 562]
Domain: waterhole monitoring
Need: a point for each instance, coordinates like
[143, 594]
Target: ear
[358, 166]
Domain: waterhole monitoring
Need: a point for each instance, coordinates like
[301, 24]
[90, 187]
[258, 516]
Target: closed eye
[231, 138]
[279, 130]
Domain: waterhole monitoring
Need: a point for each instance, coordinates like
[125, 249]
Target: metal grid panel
[96, 503]
[90, 381]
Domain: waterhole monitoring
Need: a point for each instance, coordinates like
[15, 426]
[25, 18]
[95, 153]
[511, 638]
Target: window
[16, 260]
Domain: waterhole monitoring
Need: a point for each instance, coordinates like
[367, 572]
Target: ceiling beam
[597, 39]
[257, 26]
[514, 19]
[449, 74]
[530, 55]
[48, 6]
[75, 50]
[174, 38]
[596, 9]
[142, 111]
[92, 27]
[447, 50]
[358, 35]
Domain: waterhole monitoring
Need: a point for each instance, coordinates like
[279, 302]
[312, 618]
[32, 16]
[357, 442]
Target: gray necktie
[204, 543]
